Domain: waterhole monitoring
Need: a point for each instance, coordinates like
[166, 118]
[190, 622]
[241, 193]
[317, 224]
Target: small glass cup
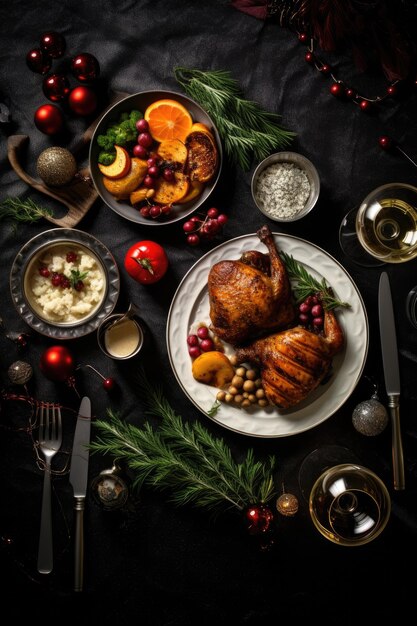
[120, 340]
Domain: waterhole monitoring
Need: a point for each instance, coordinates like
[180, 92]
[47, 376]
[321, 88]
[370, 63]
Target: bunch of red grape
[311, 313]
[204, 227]
[200, 342]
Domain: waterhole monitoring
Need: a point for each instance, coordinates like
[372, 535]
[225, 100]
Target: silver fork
[50, 439]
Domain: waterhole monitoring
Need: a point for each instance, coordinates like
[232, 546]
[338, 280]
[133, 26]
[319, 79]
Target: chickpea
[258, 382]
[237, 381]
[241, 371]
[263, 402]
[246, 402]
[228, 398]
[260, 393]
[233, 390]
[245, 394]
[238, 398]
[251, 375]
[233, 360]
[249, 385]
[252, 398]
[221, 396]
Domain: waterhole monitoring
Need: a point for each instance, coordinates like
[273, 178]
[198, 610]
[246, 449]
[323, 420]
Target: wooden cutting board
[79, 195]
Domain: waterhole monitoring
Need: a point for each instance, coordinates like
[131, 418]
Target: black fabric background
[154, 564]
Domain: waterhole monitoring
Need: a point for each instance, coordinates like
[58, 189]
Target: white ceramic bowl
[296, 162]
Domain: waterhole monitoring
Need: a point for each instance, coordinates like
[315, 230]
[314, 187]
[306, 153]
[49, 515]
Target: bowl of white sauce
[285, 186]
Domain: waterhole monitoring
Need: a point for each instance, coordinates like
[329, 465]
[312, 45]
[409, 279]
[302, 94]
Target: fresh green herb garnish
[307, 285]
[245, 128]
[76, 278]
[18, 210]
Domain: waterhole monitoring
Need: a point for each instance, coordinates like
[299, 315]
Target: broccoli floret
[106, 157]
[118, 134]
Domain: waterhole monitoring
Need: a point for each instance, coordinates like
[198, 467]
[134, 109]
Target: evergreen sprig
[185, 458]
[246, 129]
[18, 210]
[307, 285]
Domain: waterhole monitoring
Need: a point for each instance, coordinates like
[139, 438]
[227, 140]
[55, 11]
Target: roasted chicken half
[252, 296]
[294, 361]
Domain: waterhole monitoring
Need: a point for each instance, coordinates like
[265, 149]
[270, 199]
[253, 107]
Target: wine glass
[384, 227]
[348, 503]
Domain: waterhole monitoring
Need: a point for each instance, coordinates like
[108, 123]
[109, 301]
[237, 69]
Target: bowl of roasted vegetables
[155, 157]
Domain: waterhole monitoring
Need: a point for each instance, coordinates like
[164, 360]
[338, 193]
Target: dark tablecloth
[153, 563]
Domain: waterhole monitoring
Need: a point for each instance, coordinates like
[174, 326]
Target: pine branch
[246, 129]
[307, 285]
[197, 467]
[19, 210]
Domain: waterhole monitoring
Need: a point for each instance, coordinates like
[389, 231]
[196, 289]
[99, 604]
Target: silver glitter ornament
[370, 417]
[110, 488]
[56, 166]
[20, 372]
[287, 504]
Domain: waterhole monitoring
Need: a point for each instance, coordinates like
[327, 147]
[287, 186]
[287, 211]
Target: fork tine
[59, 423]
[41, 424]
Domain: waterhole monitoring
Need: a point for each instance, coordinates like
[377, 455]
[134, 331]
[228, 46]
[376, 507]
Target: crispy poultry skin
[246, 302]
[295, 361]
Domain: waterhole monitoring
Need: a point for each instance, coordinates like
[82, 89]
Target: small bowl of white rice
[285, 186]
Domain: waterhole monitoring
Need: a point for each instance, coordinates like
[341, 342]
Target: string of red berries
[204, 227]
[339, 88]
[82, 99]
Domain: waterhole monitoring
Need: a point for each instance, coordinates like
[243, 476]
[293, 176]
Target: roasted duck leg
[252, 296]
[294, 361]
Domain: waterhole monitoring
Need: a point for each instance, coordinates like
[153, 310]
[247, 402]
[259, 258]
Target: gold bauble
[56, 166]
[287, 504]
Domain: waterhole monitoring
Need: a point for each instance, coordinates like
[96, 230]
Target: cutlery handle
[397, 446]
[45, 550]
[79, 544]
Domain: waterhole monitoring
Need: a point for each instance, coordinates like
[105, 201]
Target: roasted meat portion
[295, 361]
[252, 296]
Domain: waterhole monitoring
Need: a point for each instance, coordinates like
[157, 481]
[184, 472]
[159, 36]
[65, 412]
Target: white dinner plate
[190, 307]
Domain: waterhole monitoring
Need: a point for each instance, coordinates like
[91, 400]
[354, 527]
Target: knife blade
[391, 374]
[78, 479]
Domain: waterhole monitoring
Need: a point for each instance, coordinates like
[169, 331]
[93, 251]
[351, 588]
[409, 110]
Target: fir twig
[18, 210]
[246, 129]
[197, 467]
[307, 285]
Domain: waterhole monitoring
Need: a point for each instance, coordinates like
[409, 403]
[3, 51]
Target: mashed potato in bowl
[65, 283]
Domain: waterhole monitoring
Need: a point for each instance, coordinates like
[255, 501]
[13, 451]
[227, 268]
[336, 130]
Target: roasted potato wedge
[121, 188]
[173, 150]
[171, 192]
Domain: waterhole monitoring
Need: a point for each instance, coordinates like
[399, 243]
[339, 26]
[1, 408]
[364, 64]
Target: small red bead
[303, 37]
[325, 69]
[365, 106]
[108, 384]
[337, 90]
[392, 90]
[350, 93]
[309, 57]
[385, 142]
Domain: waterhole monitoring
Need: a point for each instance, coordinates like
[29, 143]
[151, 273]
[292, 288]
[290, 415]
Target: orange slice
[168, 119]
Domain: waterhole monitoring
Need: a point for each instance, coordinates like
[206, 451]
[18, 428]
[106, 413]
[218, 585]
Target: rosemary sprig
[76, 277]
[246, 129]
[19, 210]
[307, 285]
[197, 467]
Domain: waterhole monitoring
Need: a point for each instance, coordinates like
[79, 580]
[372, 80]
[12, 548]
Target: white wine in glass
[384, 227]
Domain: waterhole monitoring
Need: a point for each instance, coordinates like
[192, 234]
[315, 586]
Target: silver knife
[78, 479]
[391, 374]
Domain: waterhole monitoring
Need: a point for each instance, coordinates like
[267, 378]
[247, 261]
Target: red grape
[194, 351]
[222, 219]
[193, 239]
[155, 211]
[139, 152]
[203, 332]
[168, 175]
[43, 271]
[213, 212]
[145, 140]
[166, 209]
[192, 340]
[317, 310]
[148, 181]
[142, 126]
[304, 307]
[152, 161]
[153, 171]
[207, 344]
[188, 227]
[318, 322]
[144, 211]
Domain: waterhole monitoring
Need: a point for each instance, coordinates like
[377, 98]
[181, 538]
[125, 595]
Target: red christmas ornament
[82, 100]
[56, 87]
[303, 37]
[309, 57]
[49, 119]
[85, 67]
[53, 44]
[37, 61]
[350, 93]
[258, 519]
[57, 363]
[325, 69]
[392, 90]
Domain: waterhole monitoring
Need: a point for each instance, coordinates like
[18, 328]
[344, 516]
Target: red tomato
[146, 262]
